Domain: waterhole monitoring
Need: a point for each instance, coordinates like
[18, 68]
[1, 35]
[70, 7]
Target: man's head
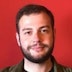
[35, 32]
[33, 9]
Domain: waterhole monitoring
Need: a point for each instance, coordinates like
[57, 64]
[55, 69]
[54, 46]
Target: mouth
[37, 49]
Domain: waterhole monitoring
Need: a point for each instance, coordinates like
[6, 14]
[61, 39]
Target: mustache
[39, 44]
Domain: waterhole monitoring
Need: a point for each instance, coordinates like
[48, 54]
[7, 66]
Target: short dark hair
[33, 8]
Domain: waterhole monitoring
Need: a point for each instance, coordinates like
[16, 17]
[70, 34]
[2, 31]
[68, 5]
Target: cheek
[24, 42]
[48, 39]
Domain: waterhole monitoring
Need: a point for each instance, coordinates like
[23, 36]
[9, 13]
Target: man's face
[36, 37]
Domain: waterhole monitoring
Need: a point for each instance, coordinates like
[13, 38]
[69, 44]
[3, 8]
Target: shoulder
[4, 70]
[62, 68]
[15, 68]
[9, 69]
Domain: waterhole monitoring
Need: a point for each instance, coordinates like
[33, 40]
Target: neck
[35, 67]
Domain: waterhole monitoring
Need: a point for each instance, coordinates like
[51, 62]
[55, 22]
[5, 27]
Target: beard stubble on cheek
[41, 59]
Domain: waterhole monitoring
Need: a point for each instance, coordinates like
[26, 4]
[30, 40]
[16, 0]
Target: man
[35, 36]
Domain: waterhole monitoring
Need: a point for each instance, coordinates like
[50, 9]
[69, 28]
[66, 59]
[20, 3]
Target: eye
[27, 33]
[44, 30]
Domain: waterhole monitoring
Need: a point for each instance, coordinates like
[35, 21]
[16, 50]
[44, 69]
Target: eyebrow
[47, 26]
[26, 29]
[39, 28]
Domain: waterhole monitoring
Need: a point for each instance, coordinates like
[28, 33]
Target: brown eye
[27, 33]
[44, 30]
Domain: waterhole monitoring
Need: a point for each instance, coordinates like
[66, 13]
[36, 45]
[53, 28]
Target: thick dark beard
[41, 59]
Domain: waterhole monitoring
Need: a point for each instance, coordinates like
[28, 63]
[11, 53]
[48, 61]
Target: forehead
[34, 20]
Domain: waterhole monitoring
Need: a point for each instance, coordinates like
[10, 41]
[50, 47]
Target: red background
[9, 51]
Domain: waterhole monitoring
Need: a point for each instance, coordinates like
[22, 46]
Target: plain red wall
[9, 51]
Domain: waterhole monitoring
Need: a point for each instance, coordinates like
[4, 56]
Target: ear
[17, 38]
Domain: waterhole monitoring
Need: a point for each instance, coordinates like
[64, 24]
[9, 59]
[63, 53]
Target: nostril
[36, 41]
[37, 38]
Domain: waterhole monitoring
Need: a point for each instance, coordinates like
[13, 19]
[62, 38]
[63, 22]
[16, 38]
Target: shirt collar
[54, 67]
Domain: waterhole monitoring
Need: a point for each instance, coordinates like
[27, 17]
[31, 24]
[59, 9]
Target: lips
[37, 48]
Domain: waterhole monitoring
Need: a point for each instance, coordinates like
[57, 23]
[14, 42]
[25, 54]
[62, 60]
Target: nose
[36, 38]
